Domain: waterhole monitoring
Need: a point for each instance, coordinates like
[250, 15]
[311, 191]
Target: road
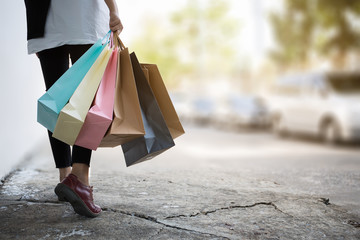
[299, 165]
[211, 185]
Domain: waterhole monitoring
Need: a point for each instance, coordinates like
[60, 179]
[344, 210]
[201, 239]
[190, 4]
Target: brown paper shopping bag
[127, 123]
[157, 85]
[157, 138]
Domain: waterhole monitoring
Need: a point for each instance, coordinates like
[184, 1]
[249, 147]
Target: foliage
[197, 42]
[293, 32]
[323, 27]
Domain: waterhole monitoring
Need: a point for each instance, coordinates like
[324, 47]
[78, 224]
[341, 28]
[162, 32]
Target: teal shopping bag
[51, 103]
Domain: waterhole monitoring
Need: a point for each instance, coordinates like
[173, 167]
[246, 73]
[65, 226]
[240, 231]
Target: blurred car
[202, 109]
[326, 105]
[193, 108]
[241, 111]
[183, 106]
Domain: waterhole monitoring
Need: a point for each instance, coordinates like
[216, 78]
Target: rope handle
[107, 37]
[116, 41]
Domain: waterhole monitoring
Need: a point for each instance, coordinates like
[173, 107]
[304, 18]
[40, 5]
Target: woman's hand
[115, 22]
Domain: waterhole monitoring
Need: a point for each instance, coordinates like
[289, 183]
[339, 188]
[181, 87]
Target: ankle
[81, 171]
[64, 172]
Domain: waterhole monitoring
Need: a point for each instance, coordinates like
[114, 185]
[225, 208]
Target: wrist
[114, 13]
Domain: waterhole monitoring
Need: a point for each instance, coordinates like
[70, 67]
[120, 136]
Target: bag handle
[117, 42]
[106, 37]
[121, 43]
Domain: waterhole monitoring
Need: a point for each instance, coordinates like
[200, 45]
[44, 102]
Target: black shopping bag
[157, 136]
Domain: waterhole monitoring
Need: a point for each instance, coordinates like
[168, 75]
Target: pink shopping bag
[100, 115]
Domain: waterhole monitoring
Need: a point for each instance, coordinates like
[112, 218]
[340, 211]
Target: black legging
[54, 63]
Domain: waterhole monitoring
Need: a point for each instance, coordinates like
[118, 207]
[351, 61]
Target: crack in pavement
[24, 200]
[7, 178]
[152, 219]
[229, 208]
[353, 223]
[40, 201]
[134, 214]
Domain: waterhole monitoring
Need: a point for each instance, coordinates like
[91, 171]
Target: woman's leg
[80, 156]
[75, 187]
[54, 62]
[81, 163]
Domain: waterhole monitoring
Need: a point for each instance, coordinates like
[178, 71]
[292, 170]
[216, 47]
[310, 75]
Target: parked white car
[193, 108]
[242, 111]
[321, 104]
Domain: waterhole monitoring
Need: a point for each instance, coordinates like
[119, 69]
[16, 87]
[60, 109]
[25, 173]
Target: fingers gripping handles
[113, 40]
[116, 42]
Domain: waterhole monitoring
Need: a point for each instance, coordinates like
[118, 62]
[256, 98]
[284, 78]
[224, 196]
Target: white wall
[21, 85]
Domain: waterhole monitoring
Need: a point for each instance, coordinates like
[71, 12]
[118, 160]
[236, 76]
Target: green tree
[323, 27]
[198, 42]
[335, 18]
[293, 32]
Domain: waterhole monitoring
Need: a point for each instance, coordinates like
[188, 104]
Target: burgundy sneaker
[79, 195]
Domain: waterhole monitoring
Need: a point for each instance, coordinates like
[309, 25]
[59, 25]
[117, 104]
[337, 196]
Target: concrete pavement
[212, 185]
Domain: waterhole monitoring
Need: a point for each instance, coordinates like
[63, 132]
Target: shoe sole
[61, 199]
[66, 193]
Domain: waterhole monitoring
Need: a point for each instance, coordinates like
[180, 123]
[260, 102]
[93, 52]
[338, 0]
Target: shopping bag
[72, 116]
[51, 103]
[157, 136]
[127, 122]
[161, 94]
[99, 117]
